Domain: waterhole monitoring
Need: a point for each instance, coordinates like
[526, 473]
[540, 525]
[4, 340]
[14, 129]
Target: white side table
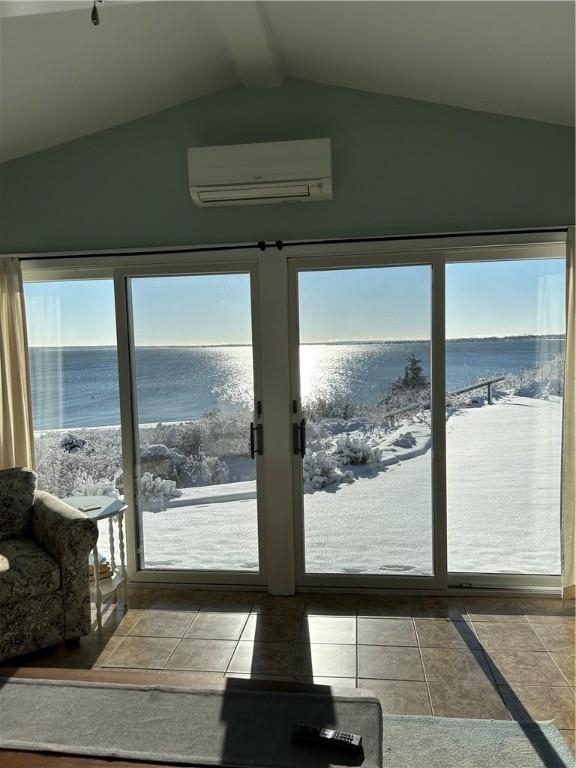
[112, 510]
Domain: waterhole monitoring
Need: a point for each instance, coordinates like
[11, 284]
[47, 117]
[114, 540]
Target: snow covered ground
[503, 507]
[503, 468]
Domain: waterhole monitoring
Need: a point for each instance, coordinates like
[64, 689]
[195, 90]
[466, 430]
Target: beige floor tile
[384, 662]
[161, 624]
[506, 635]
[279, 606]
[439, 608]
[112, 616]
[566, 663]
[337, 630]
[449, 665]
[399, 697]
[527, 703]
[331, 605]
[490, 609]
[141, 652]
[324, 660]
[557, 637]
[264, 628]
[217, 626]
[262, 658]
[386, 632]
[104, 648]
[120, 623]
[528, 667]
[142, 597]
[569, 738]
[242, 602]
[548, 610]
[229, 602]
[179, 600]
[92, 651]
[440, 633]
[470, 701]
[387, 607]
[202, 655]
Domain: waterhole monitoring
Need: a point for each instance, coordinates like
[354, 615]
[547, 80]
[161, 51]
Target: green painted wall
[400, 166]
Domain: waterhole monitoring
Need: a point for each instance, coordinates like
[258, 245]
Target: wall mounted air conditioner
[253, 174]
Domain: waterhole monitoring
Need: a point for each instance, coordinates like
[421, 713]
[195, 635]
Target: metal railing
[480, 385]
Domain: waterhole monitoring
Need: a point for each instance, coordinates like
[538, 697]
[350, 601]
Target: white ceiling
[61, 77]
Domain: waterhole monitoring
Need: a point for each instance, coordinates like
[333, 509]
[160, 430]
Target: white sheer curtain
[569, 460]
[16, 440]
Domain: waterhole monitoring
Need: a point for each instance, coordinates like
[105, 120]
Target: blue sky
[482, 299]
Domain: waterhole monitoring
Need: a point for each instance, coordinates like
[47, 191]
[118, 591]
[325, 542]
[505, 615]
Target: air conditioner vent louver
[256, 174]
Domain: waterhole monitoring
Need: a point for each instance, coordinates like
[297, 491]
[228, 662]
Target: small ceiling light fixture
[94, 15]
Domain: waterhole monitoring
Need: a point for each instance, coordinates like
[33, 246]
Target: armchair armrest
[68, 535]
[62, 531]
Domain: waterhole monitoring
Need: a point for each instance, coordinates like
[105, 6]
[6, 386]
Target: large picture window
[363, 419]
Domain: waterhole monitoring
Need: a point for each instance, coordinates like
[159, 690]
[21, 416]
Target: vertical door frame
[213, 265]
[378, 259]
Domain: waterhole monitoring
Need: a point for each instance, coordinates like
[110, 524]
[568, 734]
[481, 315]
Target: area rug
[235, 726]
[442, 742]
[242, 727]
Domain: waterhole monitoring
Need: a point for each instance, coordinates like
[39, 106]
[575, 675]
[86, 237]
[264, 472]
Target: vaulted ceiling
[62, 77]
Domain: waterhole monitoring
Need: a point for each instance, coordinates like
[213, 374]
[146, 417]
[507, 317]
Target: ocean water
[78, 387]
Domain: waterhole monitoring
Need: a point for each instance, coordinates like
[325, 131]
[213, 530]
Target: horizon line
[308, 343]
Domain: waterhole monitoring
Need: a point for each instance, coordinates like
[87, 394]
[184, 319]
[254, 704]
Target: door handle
[299, 438]
[256, 429]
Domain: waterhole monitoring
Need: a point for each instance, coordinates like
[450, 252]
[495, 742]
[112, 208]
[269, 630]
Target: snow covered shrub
[404, 440]
[85, 485]
[333, 407]
[185, 438]
[319, 470]
[543, 380]
[214, 434]
[356, 450]
[203, 470]
[161, 461]
[225, 434]
[157, 490]
[72, 443]
[96, 453]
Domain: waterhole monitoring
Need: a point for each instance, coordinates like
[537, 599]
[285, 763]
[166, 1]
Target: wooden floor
[476, 658]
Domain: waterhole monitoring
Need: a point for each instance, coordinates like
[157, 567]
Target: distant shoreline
[527, 337]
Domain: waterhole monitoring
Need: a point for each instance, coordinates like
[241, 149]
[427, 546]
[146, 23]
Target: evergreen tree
[413, 377]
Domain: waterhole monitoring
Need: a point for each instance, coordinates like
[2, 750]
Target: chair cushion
[17, 488]
[26, 570]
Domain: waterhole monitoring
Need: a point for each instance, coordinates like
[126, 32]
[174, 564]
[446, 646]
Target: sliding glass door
[196, 425]
[504, 374]
[362, 428]
[324, 417]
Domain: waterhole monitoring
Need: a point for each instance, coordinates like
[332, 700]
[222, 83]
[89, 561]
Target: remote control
[327, 737]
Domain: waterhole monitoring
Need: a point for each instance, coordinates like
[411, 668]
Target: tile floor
[476, 658]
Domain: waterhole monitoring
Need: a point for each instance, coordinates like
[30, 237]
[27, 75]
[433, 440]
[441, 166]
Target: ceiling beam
[244, 27]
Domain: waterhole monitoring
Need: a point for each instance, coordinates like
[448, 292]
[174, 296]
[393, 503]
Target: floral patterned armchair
[44, 547]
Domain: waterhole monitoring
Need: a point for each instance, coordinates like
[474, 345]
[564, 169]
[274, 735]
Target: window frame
[273, 267]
